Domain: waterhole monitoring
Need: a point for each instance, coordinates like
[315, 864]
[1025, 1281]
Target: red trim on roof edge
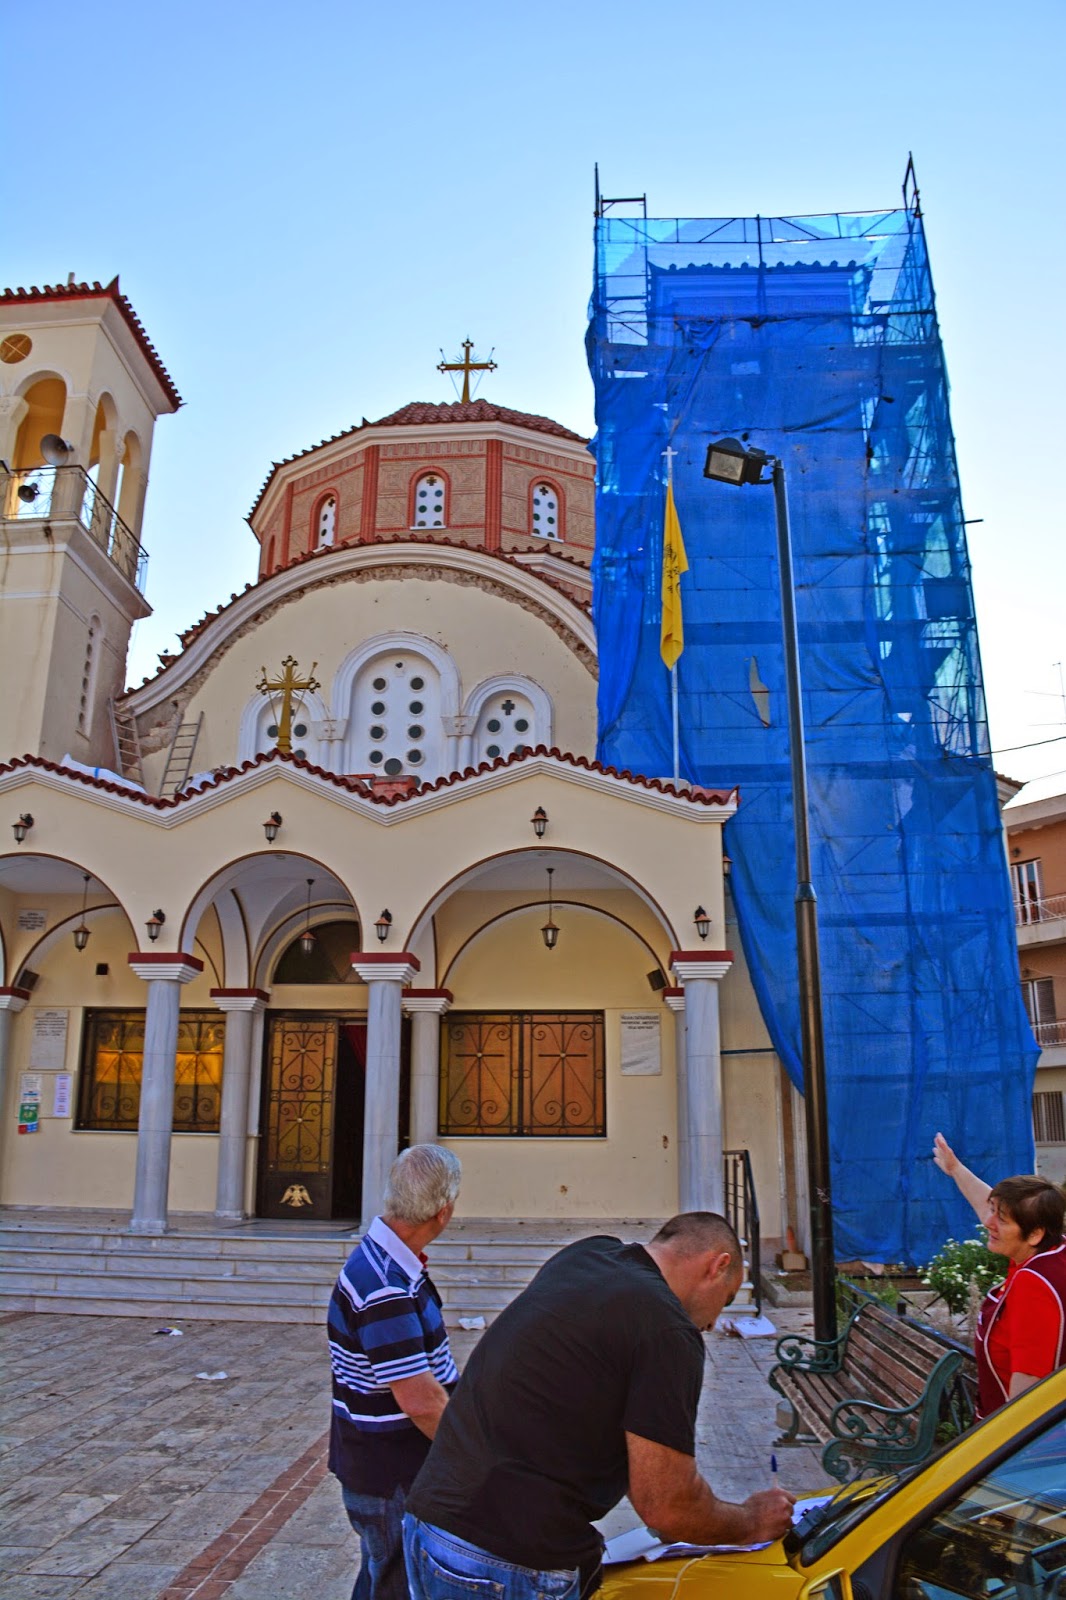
[100, 291]
[360, 786]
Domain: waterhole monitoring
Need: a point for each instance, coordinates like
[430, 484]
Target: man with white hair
[391, 1363]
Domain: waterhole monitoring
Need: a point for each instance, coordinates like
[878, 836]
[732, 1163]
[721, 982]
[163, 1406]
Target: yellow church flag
[675, 562]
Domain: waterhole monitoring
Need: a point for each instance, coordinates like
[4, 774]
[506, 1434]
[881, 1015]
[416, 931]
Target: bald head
[695, 1233]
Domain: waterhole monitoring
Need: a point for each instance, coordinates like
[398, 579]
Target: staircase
[179, 757]
[85, 1262]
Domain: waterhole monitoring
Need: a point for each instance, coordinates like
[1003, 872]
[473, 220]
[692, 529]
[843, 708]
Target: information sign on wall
[48, 1044]
[640, 1044]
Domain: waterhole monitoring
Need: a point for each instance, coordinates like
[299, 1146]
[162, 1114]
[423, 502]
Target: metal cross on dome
[466, 366]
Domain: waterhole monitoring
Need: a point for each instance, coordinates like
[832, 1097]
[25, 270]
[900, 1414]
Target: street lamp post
[729, 461]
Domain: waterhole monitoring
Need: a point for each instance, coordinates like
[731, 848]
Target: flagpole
[673, 712]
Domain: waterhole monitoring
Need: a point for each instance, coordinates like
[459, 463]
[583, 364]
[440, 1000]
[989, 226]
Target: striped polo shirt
[384, 1324]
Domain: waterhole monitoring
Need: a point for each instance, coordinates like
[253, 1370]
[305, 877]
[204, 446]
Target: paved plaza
[126, 1476]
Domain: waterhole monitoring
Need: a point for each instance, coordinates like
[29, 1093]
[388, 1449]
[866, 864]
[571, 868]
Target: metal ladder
[179, 757]
[127, 743]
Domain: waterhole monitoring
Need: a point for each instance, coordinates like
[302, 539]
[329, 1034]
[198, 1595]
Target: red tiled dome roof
[431, 413]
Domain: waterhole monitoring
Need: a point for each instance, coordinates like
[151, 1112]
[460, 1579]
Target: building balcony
[1051, 1037]
[54, 494]
[1041, 921]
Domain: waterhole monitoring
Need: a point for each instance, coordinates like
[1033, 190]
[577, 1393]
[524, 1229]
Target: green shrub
[960, 1262]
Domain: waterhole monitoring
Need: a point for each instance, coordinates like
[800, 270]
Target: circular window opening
[272, 731]
[415, 731]
[379, 684]
[378, 708]
[494, 725]
[415, 708]
[521, 725]
[393, 766]
[377, 733]
[301, 755]
[414, 757]
[418, 683]
[16, 347]
[300, 730]
[493, 750]
[376, 757]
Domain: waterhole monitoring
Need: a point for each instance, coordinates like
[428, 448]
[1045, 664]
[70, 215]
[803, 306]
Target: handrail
[742, 1211]
[41, 493]
[1044, 909]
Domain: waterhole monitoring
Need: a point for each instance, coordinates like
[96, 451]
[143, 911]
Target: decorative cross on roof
[466, 366]
[288, 685]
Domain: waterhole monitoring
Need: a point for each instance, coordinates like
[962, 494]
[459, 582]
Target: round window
[414, 757]
[378, 708]
[375, 756]
[300, 730]
[393, 766]
[415, 708]
[416, 683]
[377, 733]
[415, 731]
[493, 750]
[16, 347]
[301, 755]
[379, 684]
[493, 725]
[521, 725]
[272, 731]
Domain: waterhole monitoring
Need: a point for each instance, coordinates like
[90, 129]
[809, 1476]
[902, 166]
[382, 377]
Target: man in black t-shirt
[584, 1389]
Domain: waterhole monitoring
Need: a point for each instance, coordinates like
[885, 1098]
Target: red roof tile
[99, 291]
[358, 784]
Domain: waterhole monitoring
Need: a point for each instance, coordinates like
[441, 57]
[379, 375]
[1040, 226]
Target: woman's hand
[944, 1156]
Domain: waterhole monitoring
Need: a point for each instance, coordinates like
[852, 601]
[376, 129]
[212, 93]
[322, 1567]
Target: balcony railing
[1049, 1034]
[54, 493]
[1027, 912]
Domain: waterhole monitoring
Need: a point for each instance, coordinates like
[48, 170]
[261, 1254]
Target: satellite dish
[56, 451]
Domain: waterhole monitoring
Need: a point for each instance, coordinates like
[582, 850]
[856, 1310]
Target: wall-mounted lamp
[383, 925]
[154, 923]
[539, 819]
[271, 826]
[307, 938]
[22, 827]
[550, 933]
[702, 921]
[81, 932]
[727, 866]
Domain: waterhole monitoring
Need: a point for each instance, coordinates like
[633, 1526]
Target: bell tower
[81, 388]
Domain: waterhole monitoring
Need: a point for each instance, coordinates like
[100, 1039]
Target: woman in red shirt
[1021, 1331]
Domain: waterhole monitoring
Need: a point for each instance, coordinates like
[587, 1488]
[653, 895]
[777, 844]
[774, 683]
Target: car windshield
[824, 1525]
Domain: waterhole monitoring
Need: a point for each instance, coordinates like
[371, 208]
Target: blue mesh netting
[816, 338]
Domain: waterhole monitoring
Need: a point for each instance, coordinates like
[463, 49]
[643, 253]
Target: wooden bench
[876, 1395]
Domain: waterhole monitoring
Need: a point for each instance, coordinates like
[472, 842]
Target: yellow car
[985, 1519]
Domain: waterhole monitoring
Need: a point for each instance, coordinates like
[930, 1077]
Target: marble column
[674, 999]
[11, 1002]
[241, 1007]
[385, 976]
[700, 972]
[164, 973]
[425, 1007]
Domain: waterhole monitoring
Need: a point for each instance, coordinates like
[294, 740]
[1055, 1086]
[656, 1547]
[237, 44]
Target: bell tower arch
[81, 388]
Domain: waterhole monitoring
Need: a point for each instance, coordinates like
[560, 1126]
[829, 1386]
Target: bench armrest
[799, 1354]
[878, 1435]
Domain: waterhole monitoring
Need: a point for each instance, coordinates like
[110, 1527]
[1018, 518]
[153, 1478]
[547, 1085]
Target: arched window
[326, 522]
[511, 718]
[429, 509]
[544, 519]
[396, 717]
[259, 730]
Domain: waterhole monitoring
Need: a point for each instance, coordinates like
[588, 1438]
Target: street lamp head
[729, 461]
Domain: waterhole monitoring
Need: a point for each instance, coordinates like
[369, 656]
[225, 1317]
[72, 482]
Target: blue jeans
[441, 1566]
[379, 1524]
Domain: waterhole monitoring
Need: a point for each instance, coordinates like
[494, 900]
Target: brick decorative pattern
[210, 1574]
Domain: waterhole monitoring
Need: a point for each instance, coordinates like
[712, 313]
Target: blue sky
[305, 203]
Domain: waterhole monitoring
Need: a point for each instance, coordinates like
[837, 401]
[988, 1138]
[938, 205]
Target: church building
[344, 873]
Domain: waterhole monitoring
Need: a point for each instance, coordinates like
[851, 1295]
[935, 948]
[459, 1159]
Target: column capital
[164, 966]
[13, 999]
[240, 999]
[693, 965]
[674, 999]
[436, 1001]
[380, 966]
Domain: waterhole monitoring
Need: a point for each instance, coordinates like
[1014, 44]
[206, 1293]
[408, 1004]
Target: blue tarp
[816, 339]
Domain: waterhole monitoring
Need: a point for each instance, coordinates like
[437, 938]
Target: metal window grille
[111, 1063]
[1049, 1117]
[533, 1074]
